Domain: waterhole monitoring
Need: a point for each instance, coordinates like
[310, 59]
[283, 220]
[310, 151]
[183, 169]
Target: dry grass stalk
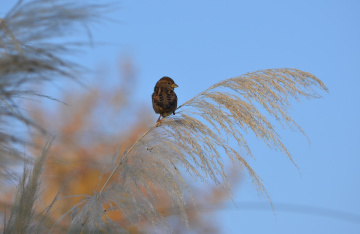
[197, 138]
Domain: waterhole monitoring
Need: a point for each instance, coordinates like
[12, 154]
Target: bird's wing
[158, 97]
[171, 99]
[164, 98]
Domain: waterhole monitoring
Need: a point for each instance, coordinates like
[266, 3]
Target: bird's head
[166, 82]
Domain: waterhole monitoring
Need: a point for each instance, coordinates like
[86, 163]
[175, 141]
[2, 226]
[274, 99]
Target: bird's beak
[174, 86]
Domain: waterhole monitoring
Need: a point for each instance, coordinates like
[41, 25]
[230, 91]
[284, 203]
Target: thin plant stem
[7, 104]
[13, 38]
[126, 154]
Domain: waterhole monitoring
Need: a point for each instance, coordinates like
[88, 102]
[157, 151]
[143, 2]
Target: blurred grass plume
[30, 55]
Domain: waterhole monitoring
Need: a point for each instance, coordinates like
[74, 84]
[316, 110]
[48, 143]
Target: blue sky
[201, 42]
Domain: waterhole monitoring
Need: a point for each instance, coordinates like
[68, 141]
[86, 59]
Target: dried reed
[196, 140]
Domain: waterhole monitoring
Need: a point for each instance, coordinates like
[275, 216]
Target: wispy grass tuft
[196, 140]
[22, 215]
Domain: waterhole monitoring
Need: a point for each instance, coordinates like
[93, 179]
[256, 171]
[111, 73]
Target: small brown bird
[164, 99]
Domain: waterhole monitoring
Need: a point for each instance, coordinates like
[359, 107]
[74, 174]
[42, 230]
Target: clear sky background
[199, 43]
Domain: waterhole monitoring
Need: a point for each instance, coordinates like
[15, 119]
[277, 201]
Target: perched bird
[164, 99]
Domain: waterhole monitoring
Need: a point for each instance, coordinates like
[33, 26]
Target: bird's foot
[158, 121]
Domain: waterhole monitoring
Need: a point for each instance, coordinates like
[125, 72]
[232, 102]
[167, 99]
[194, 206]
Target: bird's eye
[168, 82]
